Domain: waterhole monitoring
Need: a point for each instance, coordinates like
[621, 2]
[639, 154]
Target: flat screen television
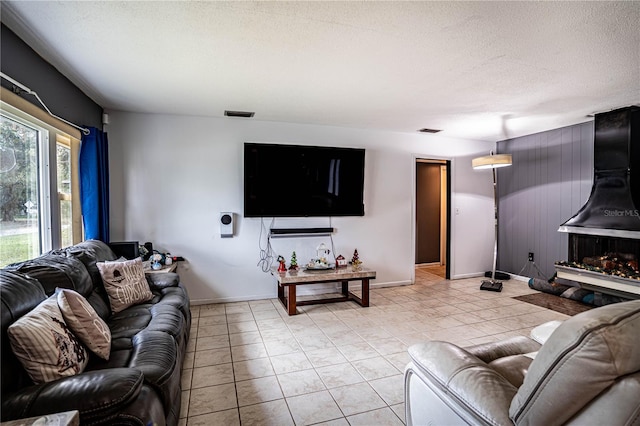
[301, 181]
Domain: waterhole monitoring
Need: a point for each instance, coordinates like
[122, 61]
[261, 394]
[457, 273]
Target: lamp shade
[491, 161]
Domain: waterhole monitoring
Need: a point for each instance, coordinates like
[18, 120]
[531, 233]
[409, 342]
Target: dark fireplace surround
[604, 235]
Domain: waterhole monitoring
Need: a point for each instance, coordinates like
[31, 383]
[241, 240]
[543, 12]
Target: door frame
[449, 223]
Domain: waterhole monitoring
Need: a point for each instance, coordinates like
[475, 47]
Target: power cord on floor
[529, 266]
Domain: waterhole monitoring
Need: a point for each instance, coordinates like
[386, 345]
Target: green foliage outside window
[19, 209]
[18, 170]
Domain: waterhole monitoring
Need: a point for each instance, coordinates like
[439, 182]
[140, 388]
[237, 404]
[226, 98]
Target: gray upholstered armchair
[586, 372]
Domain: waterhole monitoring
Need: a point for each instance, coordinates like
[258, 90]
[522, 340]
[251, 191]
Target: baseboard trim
[481, 274]
[301, 291]
[323, 288]
[520, 278]
[428, 265]
[390, 284]
[197, 302]
[463, 276]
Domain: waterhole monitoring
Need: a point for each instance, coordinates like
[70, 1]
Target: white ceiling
[478, 70]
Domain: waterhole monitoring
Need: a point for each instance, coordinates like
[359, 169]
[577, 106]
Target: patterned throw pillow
[125, 283]
[44, 344]
[85, 323]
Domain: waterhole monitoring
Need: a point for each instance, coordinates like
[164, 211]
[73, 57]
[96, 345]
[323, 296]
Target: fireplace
[604, 235]
[583, 247]
[604, 264]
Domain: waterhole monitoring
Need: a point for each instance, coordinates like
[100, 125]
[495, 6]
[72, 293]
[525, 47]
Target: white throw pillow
[45, 345]
[125, 283]
[85, 323]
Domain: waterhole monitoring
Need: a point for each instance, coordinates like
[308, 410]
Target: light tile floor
[250, 363]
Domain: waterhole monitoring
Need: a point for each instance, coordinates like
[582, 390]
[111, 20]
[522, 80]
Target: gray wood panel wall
[550, 180]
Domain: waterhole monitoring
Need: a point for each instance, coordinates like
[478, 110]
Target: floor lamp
[492, 162]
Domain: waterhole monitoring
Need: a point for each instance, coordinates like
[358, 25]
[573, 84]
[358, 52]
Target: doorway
[433, 195]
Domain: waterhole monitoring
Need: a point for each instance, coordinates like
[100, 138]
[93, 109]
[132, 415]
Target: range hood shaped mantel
[613, 208]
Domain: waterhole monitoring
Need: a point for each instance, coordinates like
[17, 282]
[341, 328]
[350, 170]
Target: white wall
[171, 176]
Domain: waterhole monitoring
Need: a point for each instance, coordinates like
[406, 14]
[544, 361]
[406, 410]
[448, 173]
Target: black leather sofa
[139, 384]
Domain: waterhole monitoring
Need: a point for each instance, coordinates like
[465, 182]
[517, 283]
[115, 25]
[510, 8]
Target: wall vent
[243, 114]
[425, 130]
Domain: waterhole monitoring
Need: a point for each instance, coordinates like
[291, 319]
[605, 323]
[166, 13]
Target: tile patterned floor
[249, 363]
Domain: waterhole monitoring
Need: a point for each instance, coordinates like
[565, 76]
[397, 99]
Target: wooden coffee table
[287, 283]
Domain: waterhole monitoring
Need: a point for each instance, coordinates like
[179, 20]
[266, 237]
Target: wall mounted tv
[300, 181]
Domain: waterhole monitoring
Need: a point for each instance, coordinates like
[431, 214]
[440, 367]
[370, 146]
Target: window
[39, 203]
[68, 190]
[20, 191]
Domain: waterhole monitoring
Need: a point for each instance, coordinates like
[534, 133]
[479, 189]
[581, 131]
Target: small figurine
[282, 267]
[156, 261]
[341, 261]
[294, 262]
[323, 253]
[355, 260]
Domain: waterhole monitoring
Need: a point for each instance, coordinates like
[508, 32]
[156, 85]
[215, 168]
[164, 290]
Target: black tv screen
[299, 181]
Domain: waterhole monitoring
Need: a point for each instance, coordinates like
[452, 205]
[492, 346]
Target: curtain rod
[31, 92]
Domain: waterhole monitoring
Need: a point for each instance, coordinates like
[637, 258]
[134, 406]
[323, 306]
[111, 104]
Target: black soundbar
[286, 231]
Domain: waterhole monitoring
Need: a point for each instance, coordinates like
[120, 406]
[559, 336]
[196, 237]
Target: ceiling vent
[243, 114]
[425, 130]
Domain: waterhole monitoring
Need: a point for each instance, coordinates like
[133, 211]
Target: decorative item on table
[281, 267]
[356, 263]
[168, 260]
[294, 262]
[149, 246]
[322, 252]
[143, 252]
[341, 261]
[318, 265]
[156, 260]
[321, 262]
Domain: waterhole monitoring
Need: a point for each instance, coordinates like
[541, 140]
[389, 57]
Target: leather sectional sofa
[140, 382]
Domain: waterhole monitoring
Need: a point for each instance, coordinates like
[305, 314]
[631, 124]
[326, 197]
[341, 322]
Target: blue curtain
[94, 184]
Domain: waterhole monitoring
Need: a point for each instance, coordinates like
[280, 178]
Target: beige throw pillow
[44, 344]
[125, 283]
[85, 323]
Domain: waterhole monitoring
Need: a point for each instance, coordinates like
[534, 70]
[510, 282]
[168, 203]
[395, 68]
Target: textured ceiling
[477, 70]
